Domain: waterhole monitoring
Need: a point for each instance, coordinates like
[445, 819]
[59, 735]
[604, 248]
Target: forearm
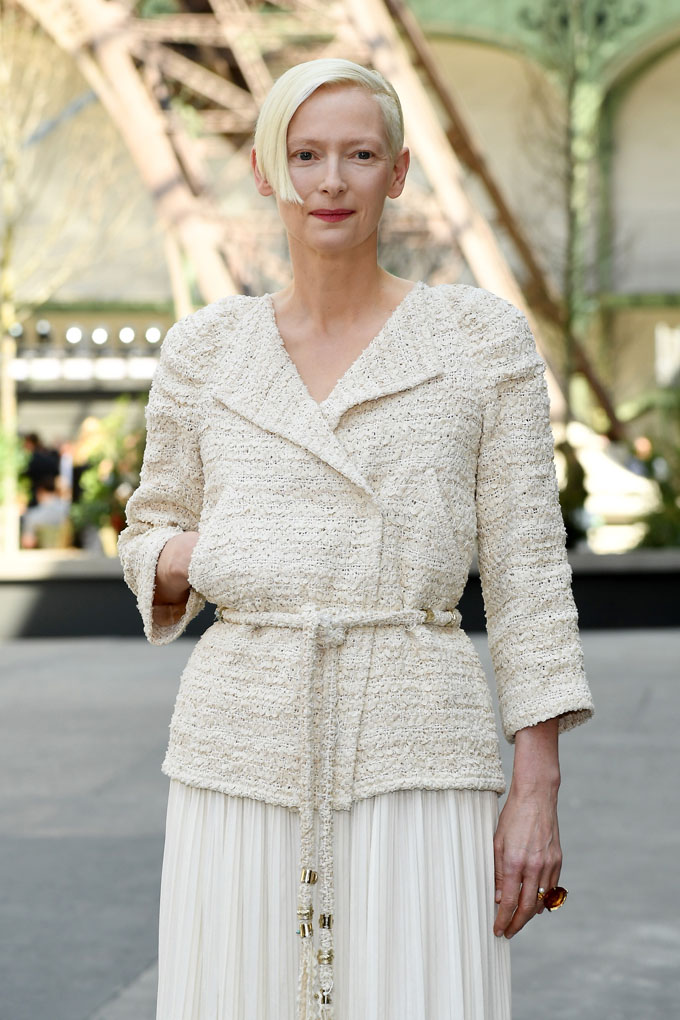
[536, 767]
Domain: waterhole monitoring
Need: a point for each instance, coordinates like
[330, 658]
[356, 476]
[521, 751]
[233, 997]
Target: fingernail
[498, 896]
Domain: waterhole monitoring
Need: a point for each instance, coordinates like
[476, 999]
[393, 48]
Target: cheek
[372, 184]
[291, 214]
[304, 177]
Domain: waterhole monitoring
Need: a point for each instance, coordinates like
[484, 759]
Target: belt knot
[329, 630]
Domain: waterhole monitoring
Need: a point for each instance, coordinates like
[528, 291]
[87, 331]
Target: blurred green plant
[14, 457]
[657, 456]
[114, 462]
[157, 8]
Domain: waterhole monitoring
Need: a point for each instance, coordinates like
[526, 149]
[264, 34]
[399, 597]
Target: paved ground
[82, 804]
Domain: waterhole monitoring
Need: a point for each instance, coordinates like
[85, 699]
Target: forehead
[368, 138]
[337, 111]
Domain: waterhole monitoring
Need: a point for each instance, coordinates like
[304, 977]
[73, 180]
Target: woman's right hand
[172, 582]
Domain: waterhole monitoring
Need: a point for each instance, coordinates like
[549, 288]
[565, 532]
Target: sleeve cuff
[156, 634]
[573, 710]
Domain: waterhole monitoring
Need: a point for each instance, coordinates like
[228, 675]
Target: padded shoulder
[190, 344]
[496, 332]
[188, 352]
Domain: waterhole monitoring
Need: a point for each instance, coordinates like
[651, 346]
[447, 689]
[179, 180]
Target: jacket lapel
[258, 380]
[403, 355]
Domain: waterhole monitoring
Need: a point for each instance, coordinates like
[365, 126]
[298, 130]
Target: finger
[498, 879]
[527, 904]
[549, 879]
[510, 892]
[554, 878]
[552, 869]
[554, 865]
[498, 872]
[544, 884]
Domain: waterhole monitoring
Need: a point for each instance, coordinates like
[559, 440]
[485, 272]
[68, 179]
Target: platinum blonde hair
[291, 89]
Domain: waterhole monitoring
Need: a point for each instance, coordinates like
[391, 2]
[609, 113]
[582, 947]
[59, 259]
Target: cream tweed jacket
[335, 540]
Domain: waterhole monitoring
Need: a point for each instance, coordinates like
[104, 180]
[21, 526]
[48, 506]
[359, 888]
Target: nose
[333, 182]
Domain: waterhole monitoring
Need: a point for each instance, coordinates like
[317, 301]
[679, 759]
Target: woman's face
[338, 159]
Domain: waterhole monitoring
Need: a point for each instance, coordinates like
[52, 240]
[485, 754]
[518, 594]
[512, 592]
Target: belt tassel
[306, 980]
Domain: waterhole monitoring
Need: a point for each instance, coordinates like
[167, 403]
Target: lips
[332, 216]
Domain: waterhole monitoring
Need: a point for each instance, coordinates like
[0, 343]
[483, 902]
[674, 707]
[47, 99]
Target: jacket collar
[259, 380]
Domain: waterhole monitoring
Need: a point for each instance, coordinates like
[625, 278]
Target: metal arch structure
[225, 54]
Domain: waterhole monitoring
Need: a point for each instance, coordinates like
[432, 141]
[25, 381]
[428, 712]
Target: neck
[330, 291]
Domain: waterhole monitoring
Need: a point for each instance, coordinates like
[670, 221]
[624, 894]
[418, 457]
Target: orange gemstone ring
[553, 898]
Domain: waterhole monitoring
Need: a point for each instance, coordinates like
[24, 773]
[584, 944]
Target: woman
[319, 462]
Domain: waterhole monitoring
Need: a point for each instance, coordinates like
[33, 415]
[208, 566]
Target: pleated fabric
[414, 909]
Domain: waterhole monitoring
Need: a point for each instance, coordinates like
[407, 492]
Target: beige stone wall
[634, 345]
[517, 115]
[646, 181]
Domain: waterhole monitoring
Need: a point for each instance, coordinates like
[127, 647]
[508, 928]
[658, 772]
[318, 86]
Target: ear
[399, 171]
[261, 184]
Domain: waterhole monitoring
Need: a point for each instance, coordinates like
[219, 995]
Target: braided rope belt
[323, 628]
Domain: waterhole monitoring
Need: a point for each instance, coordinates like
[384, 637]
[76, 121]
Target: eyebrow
[365, 140]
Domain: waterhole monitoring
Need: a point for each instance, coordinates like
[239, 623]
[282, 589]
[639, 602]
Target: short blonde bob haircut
[291, 89]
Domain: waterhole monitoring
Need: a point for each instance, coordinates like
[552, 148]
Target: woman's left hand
[527, 850]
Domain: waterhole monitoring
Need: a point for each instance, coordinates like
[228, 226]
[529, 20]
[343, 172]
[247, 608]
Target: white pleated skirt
[414, 909]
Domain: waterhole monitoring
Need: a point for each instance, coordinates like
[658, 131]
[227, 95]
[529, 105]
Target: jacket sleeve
[532, 622]
[169, 497]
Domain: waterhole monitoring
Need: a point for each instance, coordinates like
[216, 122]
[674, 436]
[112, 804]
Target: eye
[304, 152]
[364, 152]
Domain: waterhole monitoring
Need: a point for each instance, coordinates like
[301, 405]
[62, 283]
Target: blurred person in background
[573, 497]
[46, 525]
[43, 461]
[66, 449]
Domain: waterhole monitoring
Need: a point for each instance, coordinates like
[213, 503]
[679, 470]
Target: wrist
[527, 785]
[536, 766]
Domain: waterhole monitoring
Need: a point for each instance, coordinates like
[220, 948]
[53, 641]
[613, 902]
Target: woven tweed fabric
[436, 436]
